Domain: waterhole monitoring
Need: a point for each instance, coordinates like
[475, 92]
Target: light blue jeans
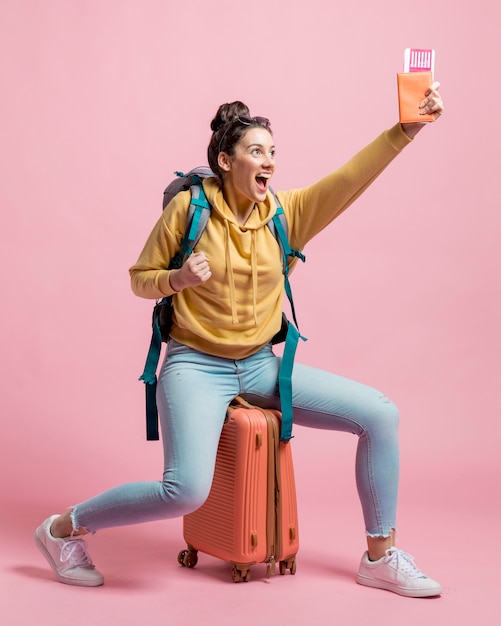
[193, 393]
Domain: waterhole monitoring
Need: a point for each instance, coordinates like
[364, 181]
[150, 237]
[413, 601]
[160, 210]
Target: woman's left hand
[432, 104]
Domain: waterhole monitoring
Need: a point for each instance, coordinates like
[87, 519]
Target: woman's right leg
[193, 393]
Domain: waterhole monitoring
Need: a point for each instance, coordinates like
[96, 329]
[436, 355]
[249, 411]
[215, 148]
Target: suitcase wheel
[290, 565]
[240, 575]
[187, 558]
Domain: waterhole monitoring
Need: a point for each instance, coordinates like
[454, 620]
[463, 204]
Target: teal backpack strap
[149, 377]
[280, 224]
[285, 381]
[279, 229]
[198, 216]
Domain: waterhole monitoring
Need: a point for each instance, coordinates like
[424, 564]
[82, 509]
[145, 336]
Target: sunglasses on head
[248, 121]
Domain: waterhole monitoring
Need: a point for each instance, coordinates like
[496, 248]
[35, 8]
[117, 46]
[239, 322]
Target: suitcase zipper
[274, 516]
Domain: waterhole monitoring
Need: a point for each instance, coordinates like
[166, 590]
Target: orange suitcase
[250, 515]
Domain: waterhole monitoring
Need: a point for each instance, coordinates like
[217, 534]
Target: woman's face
[249, 170]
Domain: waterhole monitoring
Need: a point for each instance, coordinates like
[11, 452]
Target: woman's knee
[390, 409]
[384, 414]
[186, 497]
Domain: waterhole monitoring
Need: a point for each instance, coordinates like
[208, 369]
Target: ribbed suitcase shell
[250, 515]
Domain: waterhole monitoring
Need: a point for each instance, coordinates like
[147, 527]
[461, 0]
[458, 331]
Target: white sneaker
[396, 572]
[68, 557]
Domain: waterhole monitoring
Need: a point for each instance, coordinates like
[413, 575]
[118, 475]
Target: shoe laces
[74, 553]
[404, 562]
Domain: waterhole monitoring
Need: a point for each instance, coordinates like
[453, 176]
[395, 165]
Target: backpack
[197, 218]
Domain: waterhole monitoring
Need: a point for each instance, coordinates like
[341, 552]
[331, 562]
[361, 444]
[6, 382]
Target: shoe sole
[401, 591]
[59, 576]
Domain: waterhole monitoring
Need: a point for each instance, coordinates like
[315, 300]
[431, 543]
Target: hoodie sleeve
[149, 275]
[311, 209]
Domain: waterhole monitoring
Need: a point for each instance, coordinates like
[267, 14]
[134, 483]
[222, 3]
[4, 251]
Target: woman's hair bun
[229, 112]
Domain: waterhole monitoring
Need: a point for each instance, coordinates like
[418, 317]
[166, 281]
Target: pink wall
[102, 101]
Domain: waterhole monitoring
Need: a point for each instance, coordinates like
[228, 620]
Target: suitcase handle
[240, 402]
[237, 403]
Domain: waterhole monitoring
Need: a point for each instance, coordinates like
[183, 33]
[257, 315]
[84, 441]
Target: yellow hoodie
[239, 309]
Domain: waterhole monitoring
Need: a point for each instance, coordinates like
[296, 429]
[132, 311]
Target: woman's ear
[223, 160]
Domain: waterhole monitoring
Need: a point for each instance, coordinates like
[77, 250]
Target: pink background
[101, 102]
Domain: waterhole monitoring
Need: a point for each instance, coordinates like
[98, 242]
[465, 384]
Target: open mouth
[262, 183]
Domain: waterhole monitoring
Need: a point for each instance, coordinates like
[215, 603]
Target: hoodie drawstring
[231, 278]
[229, 273]
[254, 275]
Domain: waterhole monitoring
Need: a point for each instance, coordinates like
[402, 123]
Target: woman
[228, 305]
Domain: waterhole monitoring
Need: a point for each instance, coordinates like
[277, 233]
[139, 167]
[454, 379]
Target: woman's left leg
[326, 401]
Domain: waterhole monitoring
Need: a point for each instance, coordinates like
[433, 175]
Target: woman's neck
[241, 208]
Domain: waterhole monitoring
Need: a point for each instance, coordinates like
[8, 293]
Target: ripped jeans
[194, 390]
